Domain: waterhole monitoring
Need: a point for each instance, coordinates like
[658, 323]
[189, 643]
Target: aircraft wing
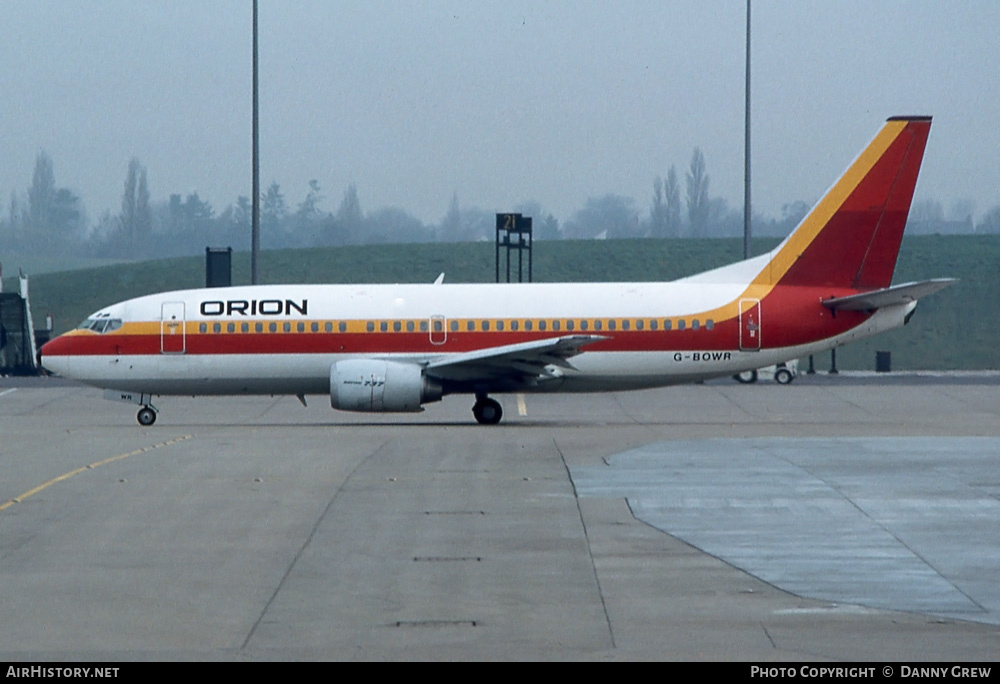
[523, 362]
[888, 296]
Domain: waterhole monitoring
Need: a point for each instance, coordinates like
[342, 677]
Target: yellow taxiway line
[96, 464]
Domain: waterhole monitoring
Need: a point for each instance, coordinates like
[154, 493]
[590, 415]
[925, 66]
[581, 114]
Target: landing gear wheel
[746, 377]
[146, 416]
[487, 411]
[783, 376]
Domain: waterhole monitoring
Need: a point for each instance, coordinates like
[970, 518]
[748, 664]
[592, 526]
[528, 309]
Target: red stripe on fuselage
[790, 316]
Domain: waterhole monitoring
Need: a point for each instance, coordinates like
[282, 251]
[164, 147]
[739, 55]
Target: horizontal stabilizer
[888, 296]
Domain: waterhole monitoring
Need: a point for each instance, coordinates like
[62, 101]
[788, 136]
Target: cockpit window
[100, 324]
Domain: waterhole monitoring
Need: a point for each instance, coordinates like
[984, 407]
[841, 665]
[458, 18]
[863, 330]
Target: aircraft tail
[851, 237]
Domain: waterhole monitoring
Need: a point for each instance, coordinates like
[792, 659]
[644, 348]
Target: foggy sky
[499, 102]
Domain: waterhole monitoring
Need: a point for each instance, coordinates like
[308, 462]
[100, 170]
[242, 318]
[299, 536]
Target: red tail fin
[851, 237]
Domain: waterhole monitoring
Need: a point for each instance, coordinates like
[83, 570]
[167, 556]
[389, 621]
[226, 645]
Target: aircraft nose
[52, 356]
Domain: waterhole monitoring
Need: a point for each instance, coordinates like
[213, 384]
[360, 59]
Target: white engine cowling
[374, 385]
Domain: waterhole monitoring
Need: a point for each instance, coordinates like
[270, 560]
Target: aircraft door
[438, 330]
[750, 325]
[172, 336]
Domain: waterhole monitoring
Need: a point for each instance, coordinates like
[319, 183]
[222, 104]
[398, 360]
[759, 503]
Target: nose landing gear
[146, 416]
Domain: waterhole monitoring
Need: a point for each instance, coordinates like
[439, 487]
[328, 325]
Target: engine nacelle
[374, 385]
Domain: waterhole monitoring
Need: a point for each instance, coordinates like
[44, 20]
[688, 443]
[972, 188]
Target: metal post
[520, 257]
[255, 220]
[746, 152]
[28, 322]
[531, 249]
[506, 243]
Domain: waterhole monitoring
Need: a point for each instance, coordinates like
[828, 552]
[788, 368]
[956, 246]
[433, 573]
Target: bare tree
[42, 193]
[451, 224]
[672, 202]
[55, 215]
[658, 211]
[697, 194]
[350, 216]
[273, 212]
[136, 219]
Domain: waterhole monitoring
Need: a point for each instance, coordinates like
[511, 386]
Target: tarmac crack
[305, 545]
[726, 395]
[590, 551]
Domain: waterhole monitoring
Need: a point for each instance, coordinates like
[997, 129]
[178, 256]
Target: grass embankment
[953, 329]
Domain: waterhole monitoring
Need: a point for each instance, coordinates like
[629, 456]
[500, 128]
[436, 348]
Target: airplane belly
[220, 374]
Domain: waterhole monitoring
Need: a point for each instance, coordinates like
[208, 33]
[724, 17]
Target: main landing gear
[146, 416]
[487, 411]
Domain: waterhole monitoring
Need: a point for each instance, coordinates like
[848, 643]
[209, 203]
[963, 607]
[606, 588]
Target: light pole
[255, 162]
[746, 152]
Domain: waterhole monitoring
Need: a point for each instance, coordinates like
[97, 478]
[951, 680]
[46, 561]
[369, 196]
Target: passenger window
[258, 327]
[611, 324]
[454, 326]
[639, 324]
[244, 327]
[397, 326]
[569, 325]
[423, 326]
[695, 324]
[273, 327]
[499, 326]
[230, 327]
[383, 326]
[598, 325]
[409, 326]
[342, 326]
[486, 326]
[513, 325]
[555, 325]
[709, 324]
[652, 324]
[626, 324]
[286, 326]
[300, 327]
[667, 324]
[528, 325]
[314, 326]
[680, 324]
[583, 325]
[370, 326]
[541, 325]
[470, 326]
[202, 328]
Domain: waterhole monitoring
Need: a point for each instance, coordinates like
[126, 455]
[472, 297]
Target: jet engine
[375, 385]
